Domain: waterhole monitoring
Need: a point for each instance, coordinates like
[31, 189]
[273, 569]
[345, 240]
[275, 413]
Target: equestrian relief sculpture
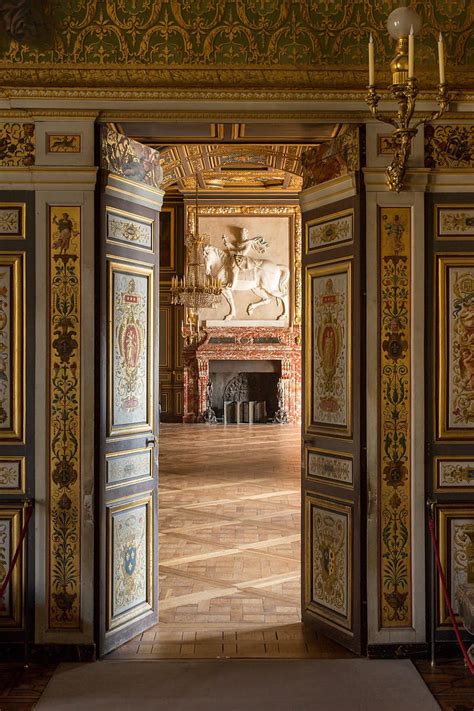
[239, 270]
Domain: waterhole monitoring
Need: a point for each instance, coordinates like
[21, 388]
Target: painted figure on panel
[329, 343]
[65, 232]
[130, 338]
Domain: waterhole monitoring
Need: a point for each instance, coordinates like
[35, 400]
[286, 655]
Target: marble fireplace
[244, 381]
[273, 353]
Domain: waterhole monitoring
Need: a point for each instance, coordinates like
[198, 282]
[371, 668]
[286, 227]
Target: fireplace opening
[245, 390]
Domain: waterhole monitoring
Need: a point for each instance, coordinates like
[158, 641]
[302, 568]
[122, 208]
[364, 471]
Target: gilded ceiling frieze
[201, 43]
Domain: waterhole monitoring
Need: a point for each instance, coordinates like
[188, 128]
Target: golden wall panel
[12, 345]
[17, 144]
[65, 417]
[395, 417]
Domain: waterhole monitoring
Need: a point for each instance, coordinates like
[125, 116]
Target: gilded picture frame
[455, 373]
[12, 220]
[124, 374]
[455, 531]
[12, 474]
[12, 341]
[328, 349]
[134, 612]
[334, 230]
[11, 521]
[336, 467]
[454, 222]
[328, 591]
[130, 235]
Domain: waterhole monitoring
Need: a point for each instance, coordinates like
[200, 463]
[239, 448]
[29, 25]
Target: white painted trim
[326, 193]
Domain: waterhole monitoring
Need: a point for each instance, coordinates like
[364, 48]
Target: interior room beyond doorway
[229, 522]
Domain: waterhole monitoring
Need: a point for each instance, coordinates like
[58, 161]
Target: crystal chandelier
[403, 24]
[196, 290]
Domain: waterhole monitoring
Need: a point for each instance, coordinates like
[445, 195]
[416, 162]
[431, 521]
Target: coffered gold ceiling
[255, 44]
[234, 168]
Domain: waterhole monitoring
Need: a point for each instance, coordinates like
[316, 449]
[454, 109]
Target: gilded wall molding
[395, 417]
[65, 418]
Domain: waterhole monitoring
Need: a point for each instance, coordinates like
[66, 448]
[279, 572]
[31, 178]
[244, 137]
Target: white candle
[442, 76]
[371, 61]
[411, 54]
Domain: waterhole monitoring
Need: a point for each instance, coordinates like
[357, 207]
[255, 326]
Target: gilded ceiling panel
[257, 36]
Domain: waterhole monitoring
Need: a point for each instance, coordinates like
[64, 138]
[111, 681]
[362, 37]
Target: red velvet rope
[6, 580]
[442, 579]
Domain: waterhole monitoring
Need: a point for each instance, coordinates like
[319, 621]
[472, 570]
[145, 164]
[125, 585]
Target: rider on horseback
[239, 253]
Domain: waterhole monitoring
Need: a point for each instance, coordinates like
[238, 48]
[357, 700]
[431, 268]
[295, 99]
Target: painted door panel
[333, 424]
[128, 413]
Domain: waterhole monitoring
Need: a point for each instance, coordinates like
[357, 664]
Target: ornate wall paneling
[65, 411]
[128, 404]
[17, 392]
[171, 316]
[395, 348]
[334, 402]
[450, 380]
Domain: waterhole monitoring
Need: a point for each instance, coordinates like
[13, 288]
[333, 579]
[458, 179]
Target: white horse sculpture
[270, 280]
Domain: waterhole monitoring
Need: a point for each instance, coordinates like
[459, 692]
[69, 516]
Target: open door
[333, 491]
[129, 201]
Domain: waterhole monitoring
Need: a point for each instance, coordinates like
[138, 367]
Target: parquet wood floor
[229, 510]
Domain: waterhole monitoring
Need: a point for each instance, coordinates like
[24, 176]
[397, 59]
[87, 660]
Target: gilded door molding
[395, 416]
[65, 226]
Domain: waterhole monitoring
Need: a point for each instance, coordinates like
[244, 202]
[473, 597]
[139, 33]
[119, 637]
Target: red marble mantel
[241, 343]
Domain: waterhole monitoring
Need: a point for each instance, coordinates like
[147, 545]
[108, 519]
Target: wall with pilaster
[50, 165]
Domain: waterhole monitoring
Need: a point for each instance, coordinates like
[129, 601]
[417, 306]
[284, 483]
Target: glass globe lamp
[400, 21]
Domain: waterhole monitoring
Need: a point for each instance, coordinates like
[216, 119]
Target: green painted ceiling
[325, 35]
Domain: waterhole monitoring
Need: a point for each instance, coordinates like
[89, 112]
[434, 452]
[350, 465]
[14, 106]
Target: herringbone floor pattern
[229, 547]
